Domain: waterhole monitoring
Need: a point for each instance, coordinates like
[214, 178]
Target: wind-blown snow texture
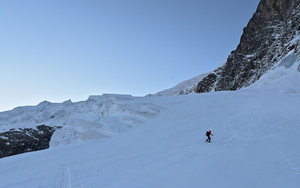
[159, 141]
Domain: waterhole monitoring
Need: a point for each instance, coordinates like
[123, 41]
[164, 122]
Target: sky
[61, 50]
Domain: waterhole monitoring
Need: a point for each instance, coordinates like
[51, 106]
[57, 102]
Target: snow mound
[284, 76]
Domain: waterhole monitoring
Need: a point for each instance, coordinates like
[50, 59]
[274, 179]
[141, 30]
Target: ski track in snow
[67, 177]
[64, 177]
[288, 161]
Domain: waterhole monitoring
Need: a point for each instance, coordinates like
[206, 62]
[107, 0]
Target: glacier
[113, 141]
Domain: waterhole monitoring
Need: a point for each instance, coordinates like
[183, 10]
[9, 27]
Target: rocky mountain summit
[272, 36]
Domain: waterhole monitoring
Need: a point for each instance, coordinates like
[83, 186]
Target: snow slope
[255, 143]
[113, 141]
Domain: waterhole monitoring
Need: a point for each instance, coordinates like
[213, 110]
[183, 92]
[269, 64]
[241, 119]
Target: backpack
[207, 133]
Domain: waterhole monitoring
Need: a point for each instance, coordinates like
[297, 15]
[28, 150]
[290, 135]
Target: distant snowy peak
[187, 86]
[271, 36]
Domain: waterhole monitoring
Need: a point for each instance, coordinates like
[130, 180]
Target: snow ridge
[187, 86]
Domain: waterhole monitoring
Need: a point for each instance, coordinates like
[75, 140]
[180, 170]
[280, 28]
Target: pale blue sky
[69, 49]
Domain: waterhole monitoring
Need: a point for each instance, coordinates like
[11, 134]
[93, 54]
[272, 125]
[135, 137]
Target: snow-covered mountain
[159, 141]
[255, 143]
[270, 40]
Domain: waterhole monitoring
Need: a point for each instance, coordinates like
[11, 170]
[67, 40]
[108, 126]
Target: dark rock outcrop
[203, 86]
[269, 36]
[17, 141]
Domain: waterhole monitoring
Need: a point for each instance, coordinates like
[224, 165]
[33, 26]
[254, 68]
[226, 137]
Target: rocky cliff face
[18, 141]
[270, 35]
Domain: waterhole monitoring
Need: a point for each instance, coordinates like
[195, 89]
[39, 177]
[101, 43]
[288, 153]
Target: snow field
[115, 141]
[255, 144]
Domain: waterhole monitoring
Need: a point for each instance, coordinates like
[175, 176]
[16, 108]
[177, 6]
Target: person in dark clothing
[208, 133]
